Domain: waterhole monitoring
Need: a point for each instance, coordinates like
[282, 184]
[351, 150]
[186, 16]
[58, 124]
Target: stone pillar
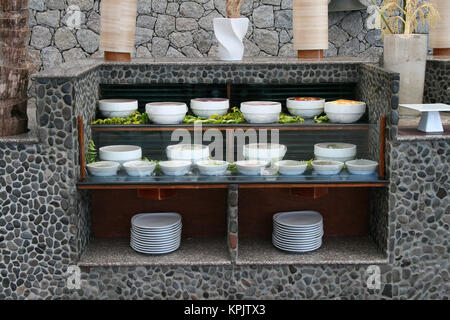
[232, 218]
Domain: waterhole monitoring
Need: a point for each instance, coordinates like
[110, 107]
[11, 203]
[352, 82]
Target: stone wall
[44, 223]
[184, 28]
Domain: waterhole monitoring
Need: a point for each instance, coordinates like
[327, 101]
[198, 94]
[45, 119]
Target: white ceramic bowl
[264, 151]
[175, 167]
[336, 151]
[117, 108]
[206, 107]
[261, 111]
[212, 167]
[306, 109]
[120, 153]
[327, 167]
[345, 111]
[251, 167]
[139, 168]
[191, 152]
[103, 168]
[291, 167]
[166, 112]
[361, 166]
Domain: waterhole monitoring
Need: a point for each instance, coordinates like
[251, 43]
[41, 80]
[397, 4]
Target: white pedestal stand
[431, 119]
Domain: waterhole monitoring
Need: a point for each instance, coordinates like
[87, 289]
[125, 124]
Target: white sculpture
[229, 33]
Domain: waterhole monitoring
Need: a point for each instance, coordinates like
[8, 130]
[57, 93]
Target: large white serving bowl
[120, 153]
[117, 108]
[103, 168]
[327, 167]
[291, 167]
[206, 107]
[251, 167]
[190, 152]
[264, 151]
[336, 151]
[345, 111]
[361, 166]
[306, 109]
[261, 111]
[166, 112]
[139, 168]
[212, 167]
[175, 167]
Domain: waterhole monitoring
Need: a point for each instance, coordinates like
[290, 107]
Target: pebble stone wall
[44, 225]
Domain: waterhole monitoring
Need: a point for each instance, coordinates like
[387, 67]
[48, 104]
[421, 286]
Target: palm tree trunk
[14, 70]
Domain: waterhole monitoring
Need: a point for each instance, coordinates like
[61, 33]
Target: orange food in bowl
[345, 102]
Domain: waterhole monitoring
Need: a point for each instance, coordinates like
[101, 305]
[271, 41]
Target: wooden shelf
[192, 181]
[307, 125]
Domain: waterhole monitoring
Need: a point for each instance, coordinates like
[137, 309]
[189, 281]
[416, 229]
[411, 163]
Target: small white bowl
[212, 167]
[191, 152]
[261, 111]
[291, 167]
[166, 112]
[139, 168]
[251, 167]
[345, 111]
[117, 108]
[306, 109]
[120, 153]
[361, 166]
[175, 167]
[327, 167]
[206, 107]
[335, 151]
[103, 168]
[264, 151]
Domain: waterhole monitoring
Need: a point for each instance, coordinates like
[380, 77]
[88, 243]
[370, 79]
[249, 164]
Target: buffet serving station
[229, 216]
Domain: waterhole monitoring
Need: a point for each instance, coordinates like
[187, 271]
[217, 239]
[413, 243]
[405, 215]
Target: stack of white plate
[156, 233]
[297, 231]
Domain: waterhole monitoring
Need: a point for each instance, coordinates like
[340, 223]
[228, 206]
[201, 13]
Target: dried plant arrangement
[234, 8]
[404, 16]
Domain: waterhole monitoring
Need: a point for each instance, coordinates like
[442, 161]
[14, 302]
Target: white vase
[229, 33]
[407, 55]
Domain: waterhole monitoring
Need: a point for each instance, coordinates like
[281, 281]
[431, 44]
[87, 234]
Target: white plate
[298, 250]
[302, 237]
[298, 219]
[146, 251]
[283, 233]
[155, 239]
[154, 247]
[158, 230]
[298, 246]
[156, 220]
[299, 228]
[297, 242]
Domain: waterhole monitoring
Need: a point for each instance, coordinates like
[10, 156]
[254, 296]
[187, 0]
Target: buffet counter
[395, 219]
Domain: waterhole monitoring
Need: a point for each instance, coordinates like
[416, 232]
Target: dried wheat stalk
[234, 8]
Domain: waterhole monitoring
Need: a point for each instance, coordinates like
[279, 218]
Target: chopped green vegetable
[92, 152]
[284, 118]
[321, 119]
[135, 118]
